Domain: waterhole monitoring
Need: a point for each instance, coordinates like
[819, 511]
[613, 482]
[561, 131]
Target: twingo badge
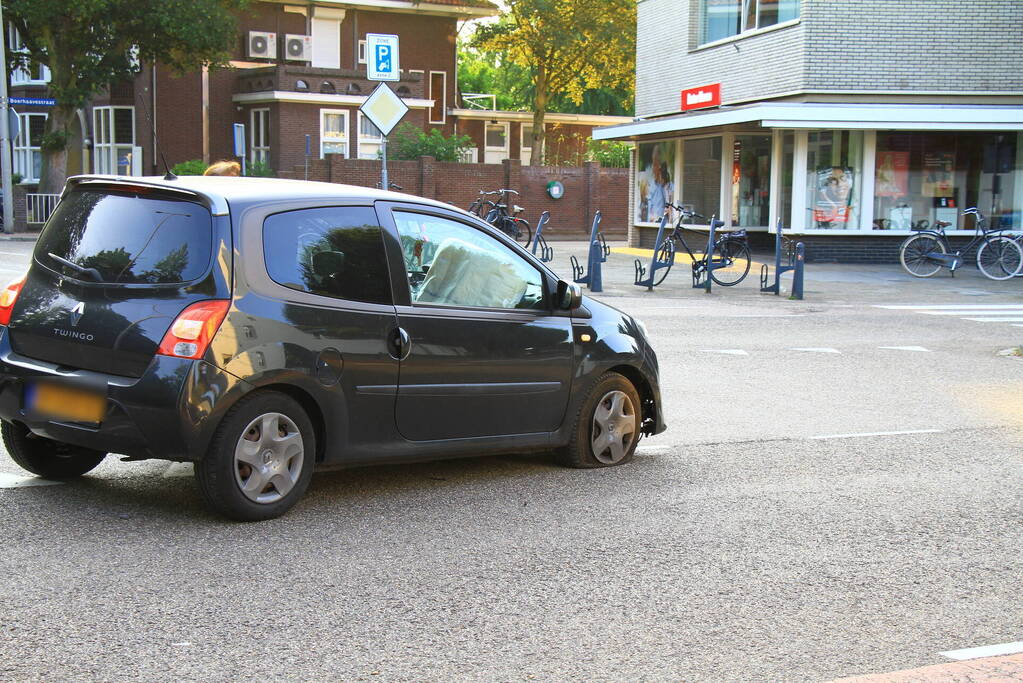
[702, 97]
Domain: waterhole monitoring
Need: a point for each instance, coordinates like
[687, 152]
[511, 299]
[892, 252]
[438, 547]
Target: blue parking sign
[382, 50]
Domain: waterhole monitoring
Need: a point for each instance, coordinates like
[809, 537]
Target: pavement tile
[987, 670]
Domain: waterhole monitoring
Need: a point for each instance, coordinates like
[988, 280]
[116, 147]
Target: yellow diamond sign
[384, 108]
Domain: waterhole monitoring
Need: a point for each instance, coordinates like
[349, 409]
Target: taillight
[8, 297]
[193, 330]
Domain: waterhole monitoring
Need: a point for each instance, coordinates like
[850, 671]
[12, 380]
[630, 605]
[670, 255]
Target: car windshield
[127, 238]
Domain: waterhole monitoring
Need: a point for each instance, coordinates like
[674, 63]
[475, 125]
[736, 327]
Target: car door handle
[400, 344]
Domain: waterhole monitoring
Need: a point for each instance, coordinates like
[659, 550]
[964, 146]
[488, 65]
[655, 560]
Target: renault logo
[76, 313]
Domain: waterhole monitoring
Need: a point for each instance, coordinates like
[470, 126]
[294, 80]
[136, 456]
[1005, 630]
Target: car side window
[334, 251]
[453, 264]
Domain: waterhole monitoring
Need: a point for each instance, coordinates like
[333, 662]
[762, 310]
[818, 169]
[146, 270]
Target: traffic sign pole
[384, 185]
[6, 170]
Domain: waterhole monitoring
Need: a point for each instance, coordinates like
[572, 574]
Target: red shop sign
[702, 97]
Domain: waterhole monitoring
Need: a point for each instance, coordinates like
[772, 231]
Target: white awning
[830, 116]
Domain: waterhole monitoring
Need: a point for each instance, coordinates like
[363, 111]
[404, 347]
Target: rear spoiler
[216, 205]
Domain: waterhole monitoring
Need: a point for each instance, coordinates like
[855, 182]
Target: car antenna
[170, 174]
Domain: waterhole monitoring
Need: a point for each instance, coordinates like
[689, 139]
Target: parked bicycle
[730, 256]
[999, 256]
[498, 215]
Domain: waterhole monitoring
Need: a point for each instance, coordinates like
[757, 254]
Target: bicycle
[496, 213]
[730, 256]
[999, 257]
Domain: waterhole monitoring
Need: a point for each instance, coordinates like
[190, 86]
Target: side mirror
[569, 296]
[327, 263]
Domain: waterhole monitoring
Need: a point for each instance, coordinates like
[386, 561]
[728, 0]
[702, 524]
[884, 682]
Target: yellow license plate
[65, 403]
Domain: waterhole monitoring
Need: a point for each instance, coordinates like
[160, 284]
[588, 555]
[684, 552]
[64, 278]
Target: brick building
[298, 69]
[851, 121]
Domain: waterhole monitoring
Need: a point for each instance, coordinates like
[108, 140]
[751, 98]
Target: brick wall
[587, 188]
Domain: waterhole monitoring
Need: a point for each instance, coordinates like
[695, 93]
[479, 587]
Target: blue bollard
[797, 275]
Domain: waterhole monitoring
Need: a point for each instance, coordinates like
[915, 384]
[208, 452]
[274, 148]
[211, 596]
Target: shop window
[114, 138]
[924, 177]
[751, 180]
[701, 175]
[333, 132]
[834, 174]
[655, 181]
[727, 18]
[27, 153]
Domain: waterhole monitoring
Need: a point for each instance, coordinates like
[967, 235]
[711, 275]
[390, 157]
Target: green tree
[567, 46]
[91, 44]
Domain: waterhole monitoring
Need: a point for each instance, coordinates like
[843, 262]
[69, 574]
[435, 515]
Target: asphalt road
[739, 546]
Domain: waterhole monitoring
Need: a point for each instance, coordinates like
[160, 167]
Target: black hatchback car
[263, 328]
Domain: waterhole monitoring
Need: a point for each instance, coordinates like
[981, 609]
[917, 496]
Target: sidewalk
[986, 670]
[19, 237]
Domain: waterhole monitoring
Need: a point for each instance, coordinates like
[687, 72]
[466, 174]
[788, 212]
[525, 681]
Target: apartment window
[27, 155]
[727, 18]
[362, 52]
[259, 136]
[438, 93]
[333, 132]
[496, 143]
[526, 144]
[30, 74]
[114, 138]
[326, 42]
[370, 138]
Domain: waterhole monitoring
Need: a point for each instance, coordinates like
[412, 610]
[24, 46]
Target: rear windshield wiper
[93, 274]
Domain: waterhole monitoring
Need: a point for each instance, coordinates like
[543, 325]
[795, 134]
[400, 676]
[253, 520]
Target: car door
[483, 353]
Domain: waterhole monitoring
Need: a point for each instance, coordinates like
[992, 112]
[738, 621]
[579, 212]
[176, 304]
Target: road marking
[1006, 310]
[1016, 319]
[816, 349]
[729, 352]
[15, 253]
[13, 481]
[179, 469]
[940, 307]
[653, 450]
[905, 348]
[984, 651]
[861, 434]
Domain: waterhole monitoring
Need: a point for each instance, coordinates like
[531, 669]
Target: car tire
[606, 428]
[45, 457]
[260, 459]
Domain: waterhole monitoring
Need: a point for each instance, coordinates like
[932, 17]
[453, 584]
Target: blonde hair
[224, 168]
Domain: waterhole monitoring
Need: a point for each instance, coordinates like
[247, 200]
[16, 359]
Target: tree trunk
[539, 154]
[53, 174]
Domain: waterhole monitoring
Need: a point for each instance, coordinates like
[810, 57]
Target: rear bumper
[167, 413]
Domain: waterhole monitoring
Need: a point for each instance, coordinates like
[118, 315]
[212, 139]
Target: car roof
[223, 191]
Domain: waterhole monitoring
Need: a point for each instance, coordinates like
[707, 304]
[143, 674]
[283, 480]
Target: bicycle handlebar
[684, 211]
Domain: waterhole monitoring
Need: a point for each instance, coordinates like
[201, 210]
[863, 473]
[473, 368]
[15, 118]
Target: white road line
[15, 253]
[13, 481]
[939, 307]
[984, 651]
[729, 352]
[860, 434]
[179, 469]
[905, 348]
[1016, 319]
[653, 450]
[1008, 310]
[816, 349]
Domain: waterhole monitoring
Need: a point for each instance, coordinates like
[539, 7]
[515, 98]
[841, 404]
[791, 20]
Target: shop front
[831, 170]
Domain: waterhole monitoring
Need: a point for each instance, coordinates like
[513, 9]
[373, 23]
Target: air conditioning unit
[298, 48]
[262, 45]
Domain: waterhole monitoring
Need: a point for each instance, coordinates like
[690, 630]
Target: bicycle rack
[598, 254]
[794, 257]
[546, 253]
[655, 263]
[710, 264]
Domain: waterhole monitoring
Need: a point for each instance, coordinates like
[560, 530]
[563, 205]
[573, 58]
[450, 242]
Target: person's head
[225, 167]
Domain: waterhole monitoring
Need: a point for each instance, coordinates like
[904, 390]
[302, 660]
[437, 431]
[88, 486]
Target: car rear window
[124, 238]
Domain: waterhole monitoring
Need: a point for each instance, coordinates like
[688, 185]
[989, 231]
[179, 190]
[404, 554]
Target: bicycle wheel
[734, 266]
[665, 253]
[523, 233]
[915, 253]
[999, 257]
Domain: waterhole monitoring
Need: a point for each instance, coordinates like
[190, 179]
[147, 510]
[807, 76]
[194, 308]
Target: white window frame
[362, 51]
[347, 134]
[487, 148]
[21, 75]
[105, 148]
[24, 152]
[743, 31]
[374, 142]
[259, 150]
[443, 95]
[523, 147]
